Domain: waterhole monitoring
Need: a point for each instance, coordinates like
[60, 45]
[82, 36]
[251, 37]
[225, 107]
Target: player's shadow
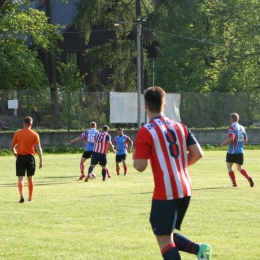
[213, 188]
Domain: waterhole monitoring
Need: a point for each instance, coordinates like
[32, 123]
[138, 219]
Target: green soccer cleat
[204, 252]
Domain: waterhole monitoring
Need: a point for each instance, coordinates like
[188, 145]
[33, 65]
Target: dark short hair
[28, 120]
[105, 127]
[154, 98]
[93, 124]
[119, 129]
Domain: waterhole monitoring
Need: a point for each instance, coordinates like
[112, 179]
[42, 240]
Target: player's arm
[195, 152]
[13, 149]
[227, 141]
[130, 145]
[142, 150]
[75, 140]
[111, 147]
[140, 164]
[39, 151]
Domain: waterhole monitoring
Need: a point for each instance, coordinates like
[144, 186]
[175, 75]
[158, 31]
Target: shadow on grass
[213, 188]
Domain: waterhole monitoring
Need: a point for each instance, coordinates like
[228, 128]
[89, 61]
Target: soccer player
[101, 144]
[123, 144]
[171, 148]
[89, 136]
[22, 146]
[237, 136]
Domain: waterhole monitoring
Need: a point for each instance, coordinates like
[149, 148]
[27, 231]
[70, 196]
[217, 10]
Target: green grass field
[71, 219]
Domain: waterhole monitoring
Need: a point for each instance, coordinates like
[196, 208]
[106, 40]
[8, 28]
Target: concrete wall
[214, 137]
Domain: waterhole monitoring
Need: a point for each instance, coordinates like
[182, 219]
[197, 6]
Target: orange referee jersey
[25, 139]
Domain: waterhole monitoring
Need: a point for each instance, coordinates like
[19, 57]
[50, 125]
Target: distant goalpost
[123, 107]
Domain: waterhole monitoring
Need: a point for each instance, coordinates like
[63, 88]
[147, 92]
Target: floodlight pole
[139, 75]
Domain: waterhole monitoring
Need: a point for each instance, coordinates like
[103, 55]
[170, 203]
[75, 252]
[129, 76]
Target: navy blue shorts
[167, 215]
[235, 158]
[25, 163]
[99, 158]
[120, 157]
[87, 154]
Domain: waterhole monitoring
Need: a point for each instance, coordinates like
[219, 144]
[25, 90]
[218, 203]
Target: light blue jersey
[239, 134]
[121, 144]
[89, 136]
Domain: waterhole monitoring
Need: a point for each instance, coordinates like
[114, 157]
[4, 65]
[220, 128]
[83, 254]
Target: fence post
[215, 109]
[27, 102]
[248, 114]
[181, 104]
[108, 107]
[68, 92]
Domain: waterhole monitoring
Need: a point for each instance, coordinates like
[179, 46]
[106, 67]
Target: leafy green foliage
[23, 32]
[71, 78]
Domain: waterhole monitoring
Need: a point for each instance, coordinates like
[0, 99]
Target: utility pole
[139, 62]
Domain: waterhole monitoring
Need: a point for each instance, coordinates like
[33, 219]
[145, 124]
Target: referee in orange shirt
[22, 147]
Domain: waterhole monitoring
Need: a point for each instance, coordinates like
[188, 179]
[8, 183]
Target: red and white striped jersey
[165, 142]
[101, 142]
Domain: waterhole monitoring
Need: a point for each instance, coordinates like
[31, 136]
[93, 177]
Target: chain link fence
[65, 110]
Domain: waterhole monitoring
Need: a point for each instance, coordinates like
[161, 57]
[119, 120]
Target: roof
[62, 13]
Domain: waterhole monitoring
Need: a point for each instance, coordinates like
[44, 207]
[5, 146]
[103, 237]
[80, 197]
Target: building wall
[211, 137]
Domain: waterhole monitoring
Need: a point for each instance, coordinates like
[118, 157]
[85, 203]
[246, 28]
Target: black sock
[104, 174]
[185, 245]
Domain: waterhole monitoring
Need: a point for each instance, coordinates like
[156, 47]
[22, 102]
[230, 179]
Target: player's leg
[118, 160]
[240, 161]
[231, 174]
[104, 171]
[20, 173]
[108, 173]
[202, 251]
[30, 173]
[103, 163]
[230, 161]
[162, 218]
[93, 163]
[84, 157]
[123, 160]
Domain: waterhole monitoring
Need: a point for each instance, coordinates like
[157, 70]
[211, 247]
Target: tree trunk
[52, 76]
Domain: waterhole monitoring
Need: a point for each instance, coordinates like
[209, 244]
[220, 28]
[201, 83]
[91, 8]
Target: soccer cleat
[109, 175]
[251, 182]
[125, 174]
[204, 252]
[234, 185]
[81, 176]
[31, 200]
[21, 200]
[86, 179]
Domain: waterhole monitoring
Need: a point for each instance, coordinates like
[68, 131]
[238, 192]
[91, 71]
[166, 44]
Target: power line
[175, 35]
[199, 40]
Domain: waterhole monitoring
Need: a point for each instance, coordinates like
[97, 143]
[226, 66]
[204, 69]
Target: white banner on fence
[123, 107]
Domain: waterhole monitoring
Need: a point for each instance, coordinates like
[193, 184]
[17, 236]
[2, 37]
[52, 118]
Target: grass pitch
[71, 219]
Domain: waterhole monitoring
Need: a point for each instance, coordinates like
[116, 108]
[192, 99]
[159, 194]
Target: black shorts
[87, 154]
[167, 215]
[235, 158]
[120, 157]
[25, 163]
[99, 158]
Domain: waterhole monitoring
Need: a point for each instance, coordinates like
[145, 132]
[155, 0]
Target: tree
[118, 52]
[23, 33]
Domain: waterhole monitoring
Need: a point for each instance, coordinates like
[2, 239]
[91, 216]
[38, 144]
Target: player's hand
[40, 165]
